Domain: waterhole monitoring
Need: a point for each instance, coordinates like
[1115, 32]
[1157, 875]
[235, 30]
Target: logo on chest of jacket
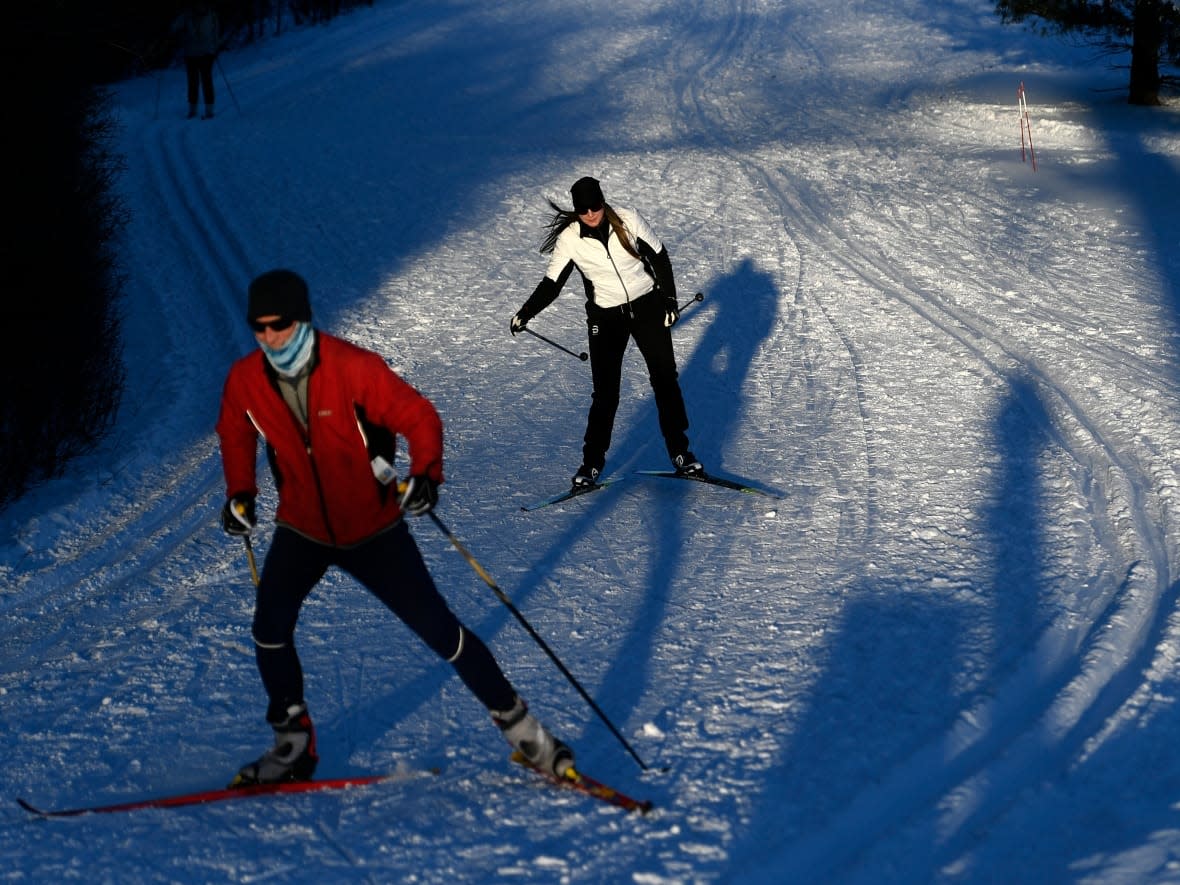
[324, 413]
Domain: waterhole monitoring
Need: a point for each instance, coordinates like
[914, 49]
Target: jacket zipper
[305, 436]
[622, 282]
[319, 488]
[315, 471]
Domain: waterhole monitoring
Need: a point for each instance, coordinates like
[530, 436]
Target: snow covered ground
[951, 653]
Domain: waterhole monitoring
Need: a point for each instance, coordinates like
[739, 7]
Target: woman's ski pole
[230, 89]
[583, 356]
[479, 570]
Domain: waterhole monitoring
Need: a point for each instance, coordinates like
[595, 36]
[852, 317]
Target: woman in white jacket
[200, 34]
[630, 293]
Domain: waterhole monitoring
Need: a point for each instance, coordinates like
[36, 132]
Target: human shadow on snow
[740, 310]
[878, 748]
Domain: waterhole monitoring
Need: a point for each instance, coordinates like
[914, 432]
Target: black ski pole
[143, 67]
[250, 559]
[700, 296]
[583, 356]
[479, 570]
[249, 547]
[229, 88]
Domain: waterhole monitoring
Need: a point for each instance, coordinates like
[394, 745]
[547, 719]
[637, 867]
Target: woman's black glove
[671, 311]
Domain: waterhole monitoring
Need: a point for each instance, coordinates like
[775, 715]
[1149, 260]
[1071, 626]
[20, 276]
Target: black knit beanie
[586, 193]
[280, 293]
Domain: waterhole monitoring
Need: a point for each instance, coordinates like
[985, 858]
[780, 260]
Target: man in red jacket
[329, 414]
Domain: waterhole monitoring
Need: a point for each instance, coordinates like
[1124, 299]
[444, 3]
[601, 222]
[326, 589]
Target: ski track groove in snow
[967, 592]
[1041, 708]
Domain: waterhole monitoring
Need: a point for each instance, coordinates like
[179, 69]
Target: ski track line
[124, 541]
[105, 556]
[1024, 732]
[696, 107]
[1016, 743]
[984, 754]
[117, 547]
[1011, 750]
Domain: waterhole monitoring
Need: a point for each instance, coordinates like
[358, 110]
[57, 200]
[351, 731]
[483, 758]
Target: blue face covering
[290, 359]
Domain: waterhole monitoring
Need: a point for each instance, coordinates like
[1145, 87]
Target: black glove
[238, 516]
[671, 312]
[519, 321]
[419, 495]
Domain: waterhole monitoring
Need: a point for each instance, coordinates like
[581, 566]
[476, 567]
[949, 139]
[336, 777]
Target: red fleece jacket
[325, 482]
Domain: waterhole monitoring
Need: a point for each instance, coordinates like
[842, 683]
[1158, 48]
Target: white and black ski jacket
[612, 276]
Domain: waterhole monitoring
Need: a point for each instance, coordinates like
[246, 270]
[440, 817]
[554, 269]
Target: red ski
[575, 780]
[226, 793]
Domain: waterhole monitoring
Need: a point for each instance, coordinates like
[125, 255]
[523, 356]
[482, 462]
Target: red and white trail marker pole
[1025, 128]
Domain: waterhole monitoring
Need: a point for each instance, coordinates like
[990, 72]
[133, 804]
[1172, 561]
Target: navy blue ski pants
[199, 75]
[390, 566]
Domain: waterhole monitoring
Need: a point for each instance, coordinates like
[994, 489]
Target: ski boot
[292, 758]
[522, 730]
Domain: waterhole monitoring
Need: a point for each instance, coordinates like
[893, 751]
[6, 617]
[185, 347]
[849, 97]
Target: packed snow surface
[949, 653]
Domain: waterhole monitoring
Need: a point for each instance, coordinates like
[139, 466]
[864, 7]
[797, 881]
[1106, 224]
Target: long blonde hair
[563, 218]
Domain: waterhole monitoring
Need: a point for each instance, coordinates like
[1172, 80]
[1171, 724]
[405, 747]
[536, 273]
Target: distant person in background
[329, 414]
[630, 293]
[200, 40]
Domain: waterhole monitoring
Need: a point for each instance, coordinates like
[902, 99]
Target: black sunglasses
[279, 325]
[584, 209]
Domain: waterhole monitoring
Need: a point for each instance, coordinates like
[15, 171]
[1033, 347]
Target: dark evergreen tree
[1149, 28]
[61, 371]
[61, 366]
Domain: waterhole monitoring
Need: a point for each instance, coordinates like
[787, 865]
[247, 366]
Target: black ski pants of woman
[390, 566]
[610, 330]
[199, 76]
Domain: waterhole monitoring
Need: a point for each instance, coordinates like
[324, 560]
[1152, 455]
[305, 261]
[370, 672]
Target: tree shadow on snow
[1152, 189]
[741, 310]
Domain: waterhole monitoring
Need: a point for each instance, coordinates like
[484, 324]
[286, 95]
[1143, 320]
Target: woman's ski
[574, 492]
[706, 478]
